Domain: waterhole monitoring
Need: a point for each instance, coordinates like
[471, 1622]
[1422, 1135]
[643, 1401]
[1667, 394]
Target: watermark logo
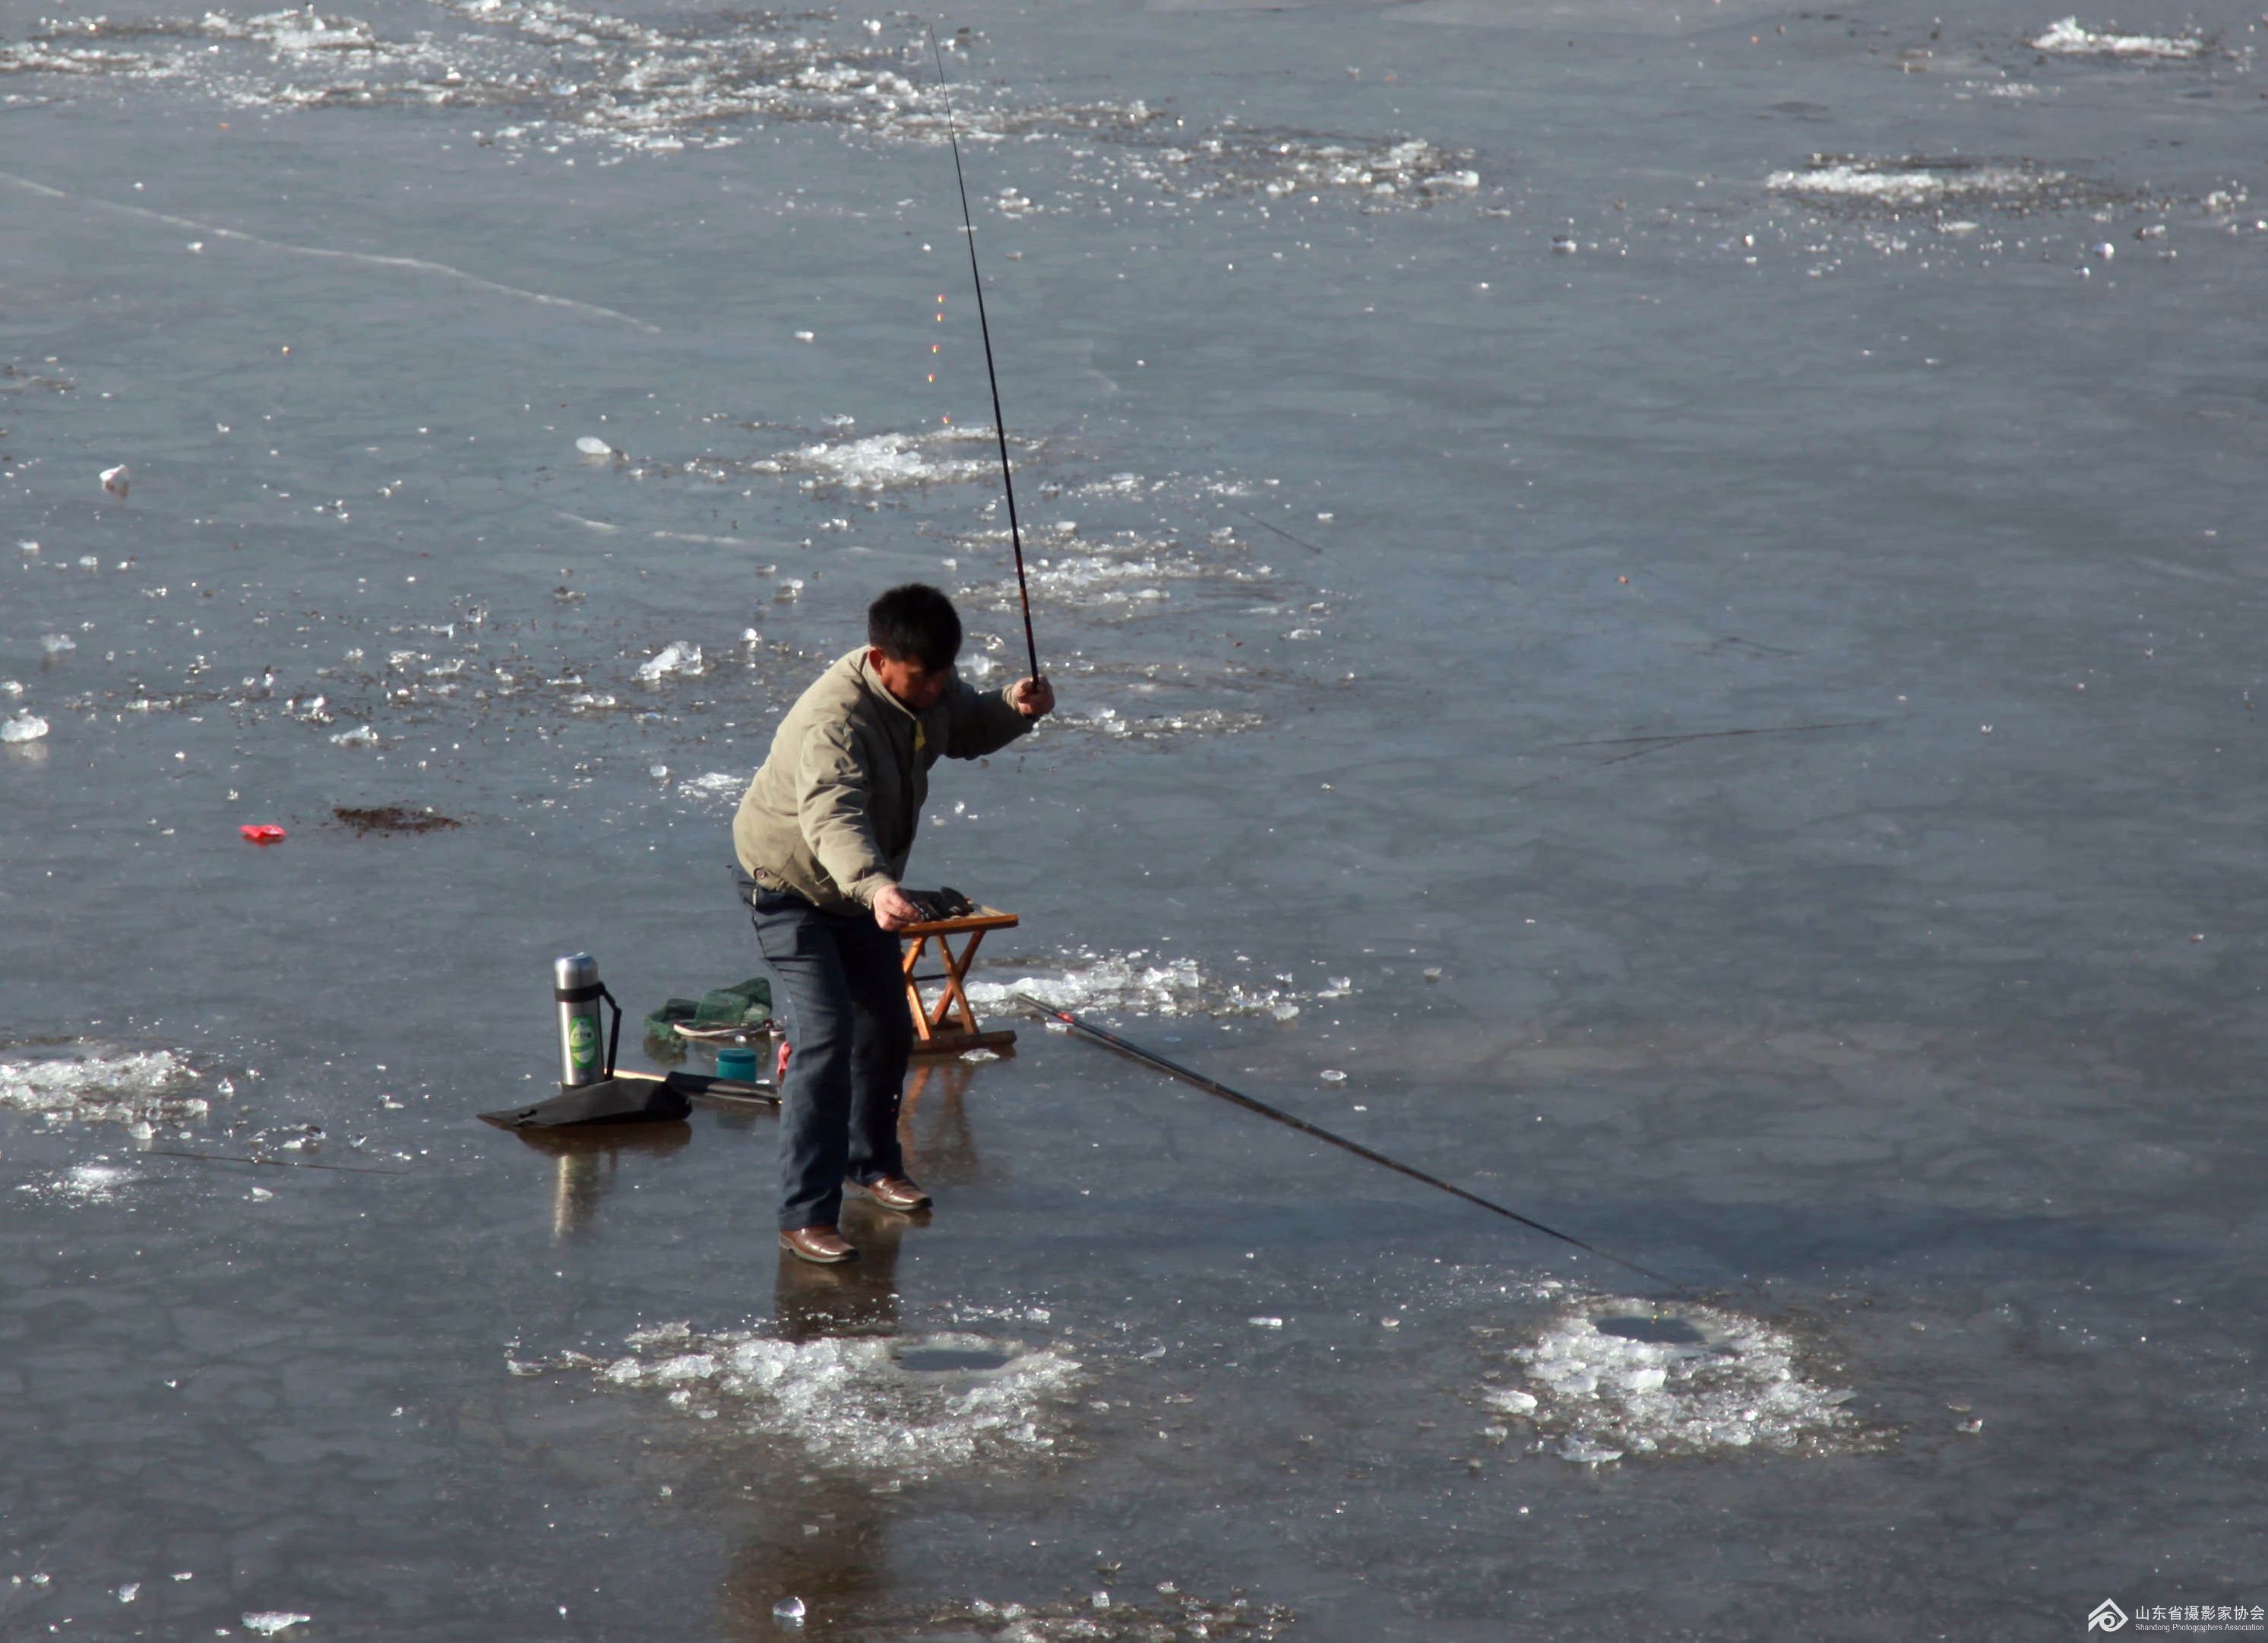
[2109, 1617]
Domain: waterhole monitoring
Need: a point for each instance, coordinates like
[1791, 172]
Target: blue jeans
[843, 1000]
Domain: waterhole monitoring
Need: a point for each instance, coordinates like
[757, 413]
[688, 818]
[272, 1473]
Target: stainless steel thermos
[582, 1049]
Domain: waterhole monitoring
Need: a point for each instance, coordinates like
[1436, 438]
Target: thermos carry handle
[584, 995]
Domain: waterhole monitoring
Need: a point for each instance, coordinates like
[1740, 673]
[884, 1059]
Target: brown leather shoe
[892, 1192]
[823, 1246]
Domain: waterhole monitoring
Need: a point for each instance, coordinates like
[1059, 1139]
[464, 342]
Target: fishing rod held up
[985, 329]
[1213, 1086]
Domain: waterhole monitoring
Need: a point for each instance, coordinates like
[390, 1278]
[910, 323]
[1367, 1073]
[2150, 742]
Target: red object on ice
[261, 832]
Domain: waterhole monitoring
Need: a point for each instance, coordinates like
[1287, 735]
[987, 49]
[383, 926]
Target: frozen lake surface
[1656, 610]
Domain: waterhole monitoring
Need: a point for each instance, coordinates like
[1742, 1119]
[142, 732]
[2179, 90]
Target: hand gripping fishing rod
[1213, 1086]
[985, 329]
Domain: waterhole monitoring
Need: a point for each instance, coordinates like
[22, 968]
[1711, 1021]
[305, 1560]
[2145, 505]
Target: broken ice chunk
[1584, 1452]
[676, 657]
[269, 1621]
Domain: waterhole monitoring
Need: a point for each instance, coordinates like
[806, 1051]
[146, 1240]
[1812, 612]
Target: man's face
[918, 687]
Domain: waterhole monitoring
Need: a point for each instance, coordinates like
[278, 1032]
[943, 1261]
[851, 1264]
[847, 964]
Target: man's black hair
[915, 623]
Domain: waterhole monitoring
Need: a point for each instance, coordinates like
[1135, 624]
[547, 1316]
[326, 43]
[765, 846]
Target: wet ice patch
[1231, 159]
[86, 1081]
[1616, 1377]
[554, 77]
[1127, 983]
[557, 75]
[911, 1407]
[1862, 185]
[1109, 576]
[1109, 723]
[1131, 588]
[716, 787]
[2067, 39]
[427, 677]
[1114, 574]
[1169, 1616]
[96, 1182]
[890, 461]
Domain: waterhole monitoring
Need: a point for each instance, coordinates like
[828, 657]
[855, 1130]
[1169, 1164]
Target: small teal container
[738, 1065]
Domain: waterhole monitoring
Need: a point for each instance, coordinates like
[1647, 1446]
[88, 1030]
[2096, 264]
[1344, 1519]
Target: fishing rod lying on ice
[1214, 1086]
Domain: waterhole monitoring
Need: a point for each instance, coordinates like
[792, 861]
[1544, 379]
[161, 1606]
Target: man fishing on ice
[824, 830]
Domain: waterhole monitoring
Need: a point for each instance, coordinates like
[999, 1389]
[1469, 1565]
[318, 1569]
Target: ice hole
[1658, 1329]
[938, 1359]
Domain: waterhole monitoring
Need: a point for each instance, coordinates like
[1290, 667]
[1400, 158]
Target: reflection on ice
[1614, 1377]
[908, 1407]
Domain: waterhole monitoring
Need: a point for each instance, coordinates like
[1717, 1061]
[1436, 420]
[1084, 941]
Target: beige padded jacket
[831, 815]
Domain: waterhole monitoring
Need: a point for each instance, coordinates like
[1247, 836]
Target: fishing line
[1280, 531]
[985, 328]
[271, 1163]
[1213, 1086]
